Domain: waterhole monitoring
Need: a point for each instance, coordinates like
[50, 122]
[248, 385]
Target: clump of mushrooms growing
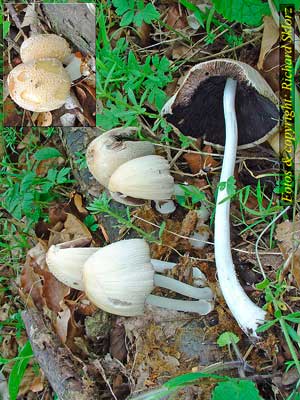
[41, 83]
[129, 169]
[250, 110]
[120, 277]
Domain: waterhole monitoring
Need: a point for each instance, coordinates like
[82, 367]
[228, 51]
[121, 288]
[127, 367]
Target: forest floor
[48, 196]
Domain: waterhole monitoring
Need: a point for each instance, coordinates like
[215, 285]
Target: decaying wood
[76, 22]
[62, 370]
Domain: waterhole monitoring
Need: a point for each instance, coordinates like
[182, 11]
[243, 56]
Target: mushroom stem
[161, 266]
[201, 307]
[183, 288]
[247, 314]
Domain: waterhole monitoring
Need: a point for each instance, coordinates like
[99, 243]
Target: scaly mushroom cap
[196, 109]
[41, 85]
[108, 151]
[144, 178]
[119, 277]
[66, 264]
[44, 46]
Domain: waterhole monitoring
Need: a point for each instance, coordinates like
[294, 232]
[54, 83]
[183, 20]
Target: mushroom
[44, 46]
[65, 261]
[41, 85]
[145, 177]
[129, 169]
[196, 108]
[119, 278]
[250, 108]
[109, 150]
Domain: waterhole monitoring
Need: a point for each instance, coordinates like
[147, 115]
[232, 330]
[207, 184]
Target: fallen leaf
[78, 201]
[54, 291]
[44, 119]
[75, 229]
[270, 69]
[288, 236]
[175, 17]
[201, 162]
[270, 37]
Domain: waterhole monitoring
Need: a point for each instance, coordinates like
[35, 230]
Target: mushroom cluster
[120, 277]
[41, 83]
[129, 169]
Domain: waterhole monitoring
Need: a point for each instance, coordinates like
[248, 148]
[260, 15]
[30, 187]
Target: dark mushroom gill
[204, 117]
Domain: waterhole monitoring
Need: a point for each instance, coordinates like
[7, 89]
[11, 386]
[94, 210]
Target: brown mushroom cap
[41, 85]
[196, 109]
[44, 46]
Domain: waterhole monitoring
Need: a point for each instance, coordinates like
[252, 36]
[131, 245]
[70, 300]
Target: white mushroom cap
[119, 277]
[44, 46]
[144, 178]
[41, 85]
[108, 151]
[66, 264]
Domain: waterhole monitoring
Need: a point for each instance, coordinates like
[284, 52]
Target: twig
[58, 364]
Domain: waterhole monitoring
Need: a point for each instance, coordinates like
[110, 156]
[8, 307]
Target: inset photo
[49, 65]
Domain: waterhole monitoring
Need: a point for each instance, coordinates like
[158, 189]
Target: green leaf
[293, 334]
[227, 338]
[121, 6]
[127, 18]
[266, 326]
[236, 390]
[262, 285]
[147, 14]
[18, 370]
[186, 379]
[248, 12]
[192, 7]
[161, 229]
[6, 27]
[46, 153]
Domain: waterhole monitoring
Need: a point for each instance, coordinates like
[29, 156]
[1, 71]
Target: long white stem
[201, 307]
[247, 314]
[183, 288]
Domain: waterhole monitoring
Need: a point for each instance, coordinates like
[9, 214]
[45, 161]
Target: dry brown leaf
[270, 37]
[78, 201]
[44, 165]
[270, 69]
[288, 236]
[30, 281]
[176, 18]
[62, 322]
[74, 229]
[199, 162]
[44, 119]
[118, 348]
[54, 291]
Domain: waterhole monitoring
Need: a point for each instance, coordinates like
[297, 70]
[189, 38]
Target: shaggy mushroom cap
[44, 46]
[197, 107]
[39, 86]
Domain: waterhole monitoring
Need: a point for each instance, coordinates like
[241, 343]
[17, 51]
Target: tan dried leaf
[270, 37]
[44, 119]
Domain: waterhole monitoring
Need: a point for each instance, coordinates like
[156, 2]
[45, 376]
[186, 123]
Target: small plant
[125, 83]
[25, 194]
[227, 388]
[135, 11]
[273, 294]
[191, 196]
[20, 363]
[102, 205]
[248, 12]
